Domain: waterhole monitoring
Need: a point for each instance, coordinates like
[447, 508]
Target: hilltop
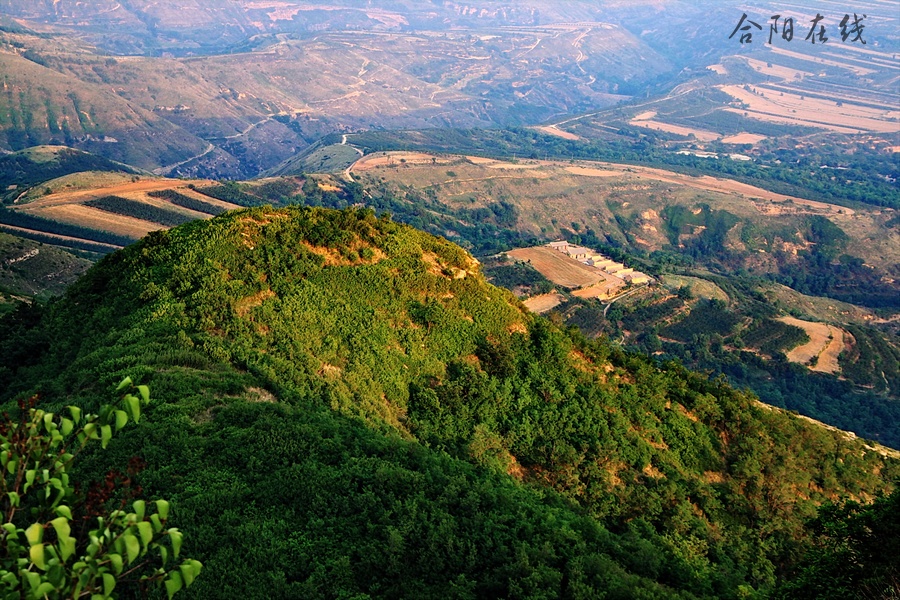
[343, 406]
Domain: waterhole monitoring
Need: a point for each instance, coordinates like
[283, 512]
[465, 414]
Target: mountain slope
[21, 170]
[41, 106]
[345, 407]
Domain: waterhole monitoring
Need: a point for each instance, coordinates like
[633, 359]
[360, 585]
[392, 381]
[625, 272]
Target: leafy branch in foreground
[40, 556]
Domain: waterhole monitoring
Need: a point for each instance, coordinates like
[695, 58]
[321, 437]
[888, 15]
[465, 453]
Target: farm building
[600, 262]
[636, 278]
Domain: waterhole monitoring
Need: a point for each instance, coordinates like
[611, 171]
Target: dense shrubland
[345, 407]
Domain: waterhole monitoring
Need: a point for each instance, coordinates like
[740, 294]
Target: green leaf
[35, 534]
[124, 384]
[132, 547]
[64, 511]
[176, 541]
[162, 507]
[34, 580]
[174, 583]
[44, 590]
[157, 524]
[76, 413]
[29, 479]
[134, 407]
[109, 582]
[121, 419]
[105, 435]
[11, 466]
[66, 426]
[36, 554]
[189, 571]
[116, 562]
[90, 430]
[67, 548]
[61, 525]
[164, 555]
[145, 393]
[146, 531]
[13, 499]
[140, 508]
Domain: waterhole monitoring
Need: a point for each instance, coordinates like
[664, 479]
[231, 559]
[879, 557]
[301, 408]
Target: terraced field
[75, 215]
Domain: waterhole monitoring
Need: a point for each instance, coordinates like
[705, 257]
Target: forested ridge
[345, 408]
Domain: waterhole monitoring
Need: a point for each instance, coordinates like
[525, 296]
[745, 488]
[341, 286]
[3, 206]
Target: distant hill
[58, 109]
[369, 417]
[19, 171]
[30, 269]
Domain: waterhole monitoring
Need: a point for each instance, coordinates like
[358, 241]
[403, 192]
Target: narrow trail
[347, 175]
[168, 169]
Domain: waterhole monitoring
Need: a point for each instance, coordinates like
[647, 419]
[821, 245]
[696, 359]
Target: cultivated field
[775, 106]
[558, 268]
[826, 309]
[700, 134]
[826, 342]
[743, 138]
[553, 130]
[93, 218]
[604, 290]
[395, 159]
[544, 302]
[68, 206]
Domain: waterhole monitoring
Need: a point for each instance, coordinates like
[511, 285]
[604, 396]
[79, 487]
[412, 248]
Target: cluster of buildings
[598, 261]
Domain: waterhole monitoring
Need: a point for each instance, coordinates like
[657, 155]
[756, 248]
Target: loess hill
[343, 407]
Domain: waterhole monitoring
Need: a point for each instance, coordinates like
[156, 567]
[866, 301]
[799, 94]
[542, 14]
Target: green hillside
[21, 170]
[343, 407]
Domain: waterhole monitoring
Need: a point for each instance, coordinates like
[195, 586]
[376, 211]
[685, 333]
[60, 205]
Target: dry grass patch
[743, 138]
[826, 342]
[700, 288]
[258, 394]
[544, 302]
[779, 71]
[553, 130]
[590, 172]
[607, 288]
[700, 134]
[243, 306]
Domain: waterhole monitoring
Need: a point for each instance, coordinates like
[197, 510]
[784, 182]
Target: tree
[44, 553]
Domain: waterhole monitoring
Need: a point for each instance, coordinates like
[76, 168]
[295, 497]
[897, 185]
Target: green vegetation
[874, 360]
[232, 192]
[772, 337]
[343, 406]
[33, 269]
[855, 553]
[187, 202]
[139, 210]
[708, 317]
[516, 276]
[56, 543]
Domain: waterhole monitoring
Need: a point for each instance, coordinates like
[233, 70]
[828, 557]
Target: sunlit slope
[41, 106]
[370, 416]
